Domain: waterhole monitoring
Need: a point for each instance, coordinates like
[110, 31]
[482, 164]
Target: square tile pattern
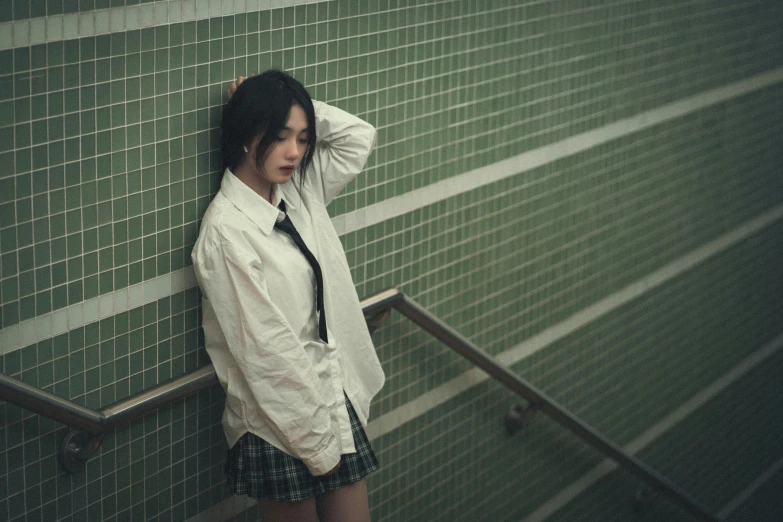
[109, 155]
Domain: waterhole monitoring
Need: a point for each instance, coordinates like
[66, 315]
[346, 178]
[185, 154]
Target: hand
[333, 471]
[231, 90]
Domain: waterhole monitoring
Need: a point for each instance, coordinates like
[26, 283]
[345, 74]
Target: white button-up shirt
[282, 382]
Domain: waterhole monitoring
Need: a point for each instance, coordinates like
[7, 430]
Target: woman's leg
[347, 504]
[276, 511]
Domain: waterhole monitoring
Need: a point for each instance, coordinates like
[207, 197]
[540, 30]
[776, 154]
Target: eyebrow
[306, 129]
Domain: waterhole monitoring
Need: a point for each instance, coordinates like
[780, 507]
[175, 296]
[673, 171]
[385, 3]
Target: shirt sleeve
[268, 354]
[344, 144]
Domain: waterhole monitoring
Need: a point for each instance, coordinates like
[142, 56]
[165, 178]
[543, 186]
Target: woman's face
[286, 152]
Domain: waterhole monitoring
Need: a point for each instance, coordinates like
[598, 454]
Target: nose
[291, 149]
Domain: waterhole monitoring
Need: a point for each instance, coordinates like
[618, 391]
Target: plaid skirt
[259, 470]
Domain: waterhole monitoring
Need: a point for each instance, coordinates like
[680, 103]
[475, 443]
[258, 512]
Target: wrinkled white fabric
[282, 382]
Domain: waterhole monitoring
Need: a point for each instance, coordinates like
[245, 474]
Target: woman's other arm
[268, 354]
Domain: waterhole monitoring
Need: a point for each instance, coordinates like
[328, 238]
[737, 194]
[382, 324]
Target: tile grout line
[74, 316]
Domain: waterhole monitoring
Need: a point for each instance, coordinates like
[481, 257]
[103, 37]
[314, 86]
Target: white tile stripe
[649, 436]
[55, 323]
[748, 492]
[32, 31]
[17, 336]
[402, 204]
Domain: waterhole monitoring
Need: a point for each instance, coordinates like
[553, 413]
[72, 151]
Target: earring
[245, 147]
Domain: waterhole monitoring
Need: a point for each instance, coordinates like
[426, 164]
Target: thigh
[347, 504]
[277, 511]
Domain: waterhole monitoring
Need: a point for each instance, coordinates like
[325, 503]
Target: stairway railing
[79, 445]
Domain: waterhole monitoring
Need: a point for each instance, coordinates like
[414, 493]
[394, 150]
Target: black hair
[261, 106]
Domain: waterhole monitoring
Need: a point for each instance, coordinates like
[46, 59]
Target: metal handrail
[94, 422]
[78, 446]
[541, 402]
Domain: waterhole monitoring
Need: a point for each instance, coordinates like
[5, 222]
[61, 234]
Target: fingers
[235, 84]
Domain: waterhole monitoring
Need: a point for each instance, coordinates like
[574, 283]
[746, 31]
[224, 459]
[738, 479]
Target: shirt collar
[253, 206]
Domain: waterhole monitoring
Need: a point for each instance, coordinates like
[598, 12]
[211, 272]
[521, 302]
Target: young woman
[281, 317]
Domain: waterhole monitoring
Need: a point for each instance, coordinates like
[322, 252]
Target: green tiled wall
[621, 374]
[518, 256]
[108, 157]
[688, 456]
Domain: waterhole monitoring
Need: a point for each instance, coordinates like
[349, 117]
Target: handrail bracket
[519, 416]
[76, 448]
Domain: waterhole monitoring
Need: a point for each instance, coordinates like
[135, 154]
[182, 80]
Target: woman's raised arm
[344, 144]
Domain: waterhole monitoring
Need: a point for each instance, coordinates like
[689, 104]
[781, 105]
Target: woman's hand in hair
[231, 90]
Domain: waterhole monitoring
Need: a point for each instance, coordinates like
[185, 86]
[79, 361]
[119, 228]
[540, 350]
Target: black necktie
[288, 227]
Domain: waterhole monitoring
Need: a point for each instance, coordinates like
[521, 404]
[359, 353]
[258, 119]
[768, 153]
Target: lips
[288, 169]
